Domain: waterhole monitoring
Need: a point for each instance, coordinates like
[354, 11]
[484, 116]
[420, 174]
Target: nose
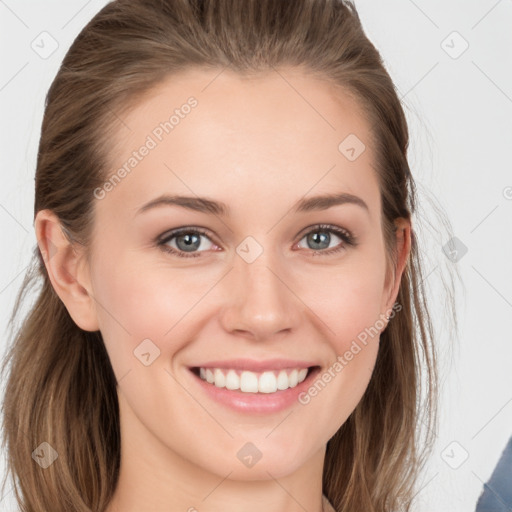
[259, 301]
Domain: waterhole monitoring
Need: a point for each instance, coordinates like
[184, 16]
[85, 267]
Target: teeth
[220, 379]
[251, 382]
[267, 383]
[232, 380]
[282, 380]
[293, 379]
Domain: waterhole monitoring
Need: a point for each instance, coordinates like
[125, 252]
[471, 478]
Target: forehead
[267, 137]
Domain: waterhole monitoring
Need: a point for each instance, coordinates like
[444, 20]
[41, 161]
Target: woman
[232, 312]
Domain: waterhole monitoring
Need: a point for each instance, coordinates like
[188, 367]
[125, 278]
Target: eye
[187, 242]
[321, 236]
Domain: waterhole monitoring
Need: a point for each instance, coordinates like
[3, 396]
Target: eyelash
[347, 237]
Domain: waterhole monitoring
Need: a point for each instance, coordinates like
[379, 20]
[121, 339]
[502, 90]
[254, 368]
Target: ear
[67, 269]
[403, 249]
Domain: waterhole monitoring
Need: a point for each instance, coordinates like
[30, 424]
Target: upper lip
[256, 366]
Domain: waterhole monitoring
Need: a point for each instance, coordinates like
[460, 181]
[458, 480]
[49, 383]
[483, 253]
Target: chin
[258, 462]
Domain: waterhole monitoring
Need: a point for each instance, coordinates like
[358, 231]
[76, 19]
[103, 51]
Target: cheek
[350, 308]
[349, 303]
[136, 304]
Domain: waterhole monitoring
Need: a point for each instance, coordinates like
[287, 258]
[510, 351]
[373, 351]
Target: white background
[460, 119]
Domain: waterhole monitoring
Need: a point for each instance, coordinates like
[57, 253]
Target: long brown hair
[61, 388]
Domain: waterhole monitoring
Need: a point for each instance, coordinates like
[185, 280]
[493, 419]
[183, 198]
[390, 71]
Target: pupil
[316, 239]
[189, 244]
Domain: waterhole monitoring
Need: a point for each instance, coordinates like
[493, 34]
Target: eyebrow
[205, 205]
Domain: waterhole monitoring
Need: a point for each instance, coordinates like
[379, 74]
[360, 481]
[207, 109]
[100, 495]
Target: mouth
[259, 391]
[252, 382]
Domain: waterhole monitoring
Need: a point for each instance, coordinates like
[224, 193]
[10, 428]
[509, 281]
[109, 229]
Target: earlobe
[66, 270]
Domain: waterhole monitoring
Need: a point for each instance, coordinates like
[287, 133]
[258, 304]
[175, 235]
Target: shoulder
[497, 492]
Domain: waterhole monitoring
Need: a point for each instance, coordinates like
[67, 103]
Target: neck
[142, 489]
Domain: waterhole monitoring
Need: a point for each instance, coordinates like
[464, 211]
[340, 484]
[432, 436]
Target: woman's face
[254, 288]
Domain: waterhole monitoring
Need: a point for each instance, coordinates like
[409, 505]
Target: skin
[258, 146]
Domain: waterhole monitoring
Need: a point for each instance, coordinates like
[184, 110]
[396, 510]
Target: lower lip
[256, 403]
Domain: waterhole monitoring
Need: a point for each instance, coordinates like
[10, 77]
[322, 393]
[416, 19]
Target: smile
[253, 382]
[250, 387]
